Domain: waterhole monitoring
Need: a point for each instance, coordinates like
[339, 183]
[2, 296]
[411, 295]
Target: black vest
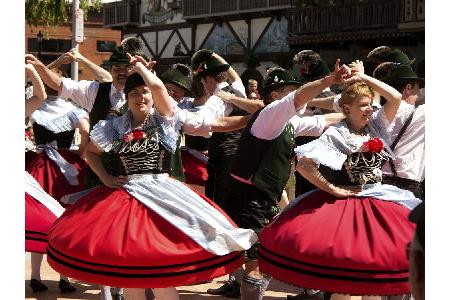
[223, 144]
[266, 163]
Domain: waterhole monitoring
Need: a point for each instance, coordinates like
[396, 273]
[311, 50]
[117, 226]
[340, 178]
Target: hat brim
[420, 81]
[175, 83]
[213, 70]
[267, 89]
[118, 62]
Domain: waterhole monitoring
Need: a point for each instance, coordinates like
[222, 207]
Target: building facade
[264, 33]
[97, 46]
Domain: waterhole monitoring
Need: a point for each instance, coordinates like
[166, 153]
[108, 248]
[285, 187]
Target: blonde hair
[355, 91]
[252, 81]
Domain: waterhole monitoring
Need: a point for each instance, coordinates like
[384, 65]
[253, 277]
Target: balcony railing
[211, 8]
[345, 17]
[121, 13]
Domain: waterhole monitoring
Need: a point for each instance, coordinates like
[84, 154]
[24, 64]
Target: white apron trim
[33, 188]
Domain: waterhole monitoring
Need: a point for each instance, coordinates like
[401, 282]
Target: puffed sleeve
[103, 134]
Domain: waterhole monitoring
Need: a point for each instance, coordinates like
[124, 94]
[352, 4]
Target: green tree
[54, 12]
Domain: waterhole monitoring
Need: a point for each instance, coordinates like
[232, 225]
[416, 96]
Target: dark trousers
[218, 175]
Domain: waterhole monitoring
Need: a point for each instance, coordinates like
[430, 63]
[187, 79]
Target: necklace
[361, 131]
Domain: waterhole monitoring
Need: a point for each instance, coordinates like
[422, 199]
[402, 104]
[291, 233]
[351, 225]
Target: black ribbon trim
[35, 232]
[140, 275]
[333, 268]
[51, 248]
[36, 239]
[331, 276]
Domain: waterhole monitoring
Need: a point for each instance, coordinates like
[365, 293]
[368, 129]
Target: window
[106, 46]
[51, 45]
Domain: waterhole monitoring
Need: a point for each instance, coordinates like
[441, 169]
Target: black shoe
[37, 286]
[117, 297]
[66, 287]
[305, 296]
[226, 287]
[235, 291]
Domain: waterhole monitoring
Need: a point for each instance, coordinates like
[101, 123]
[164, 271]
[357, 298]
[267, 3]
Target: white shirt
[272, 120]
[84, 93]
[197, 121]
[409, 153]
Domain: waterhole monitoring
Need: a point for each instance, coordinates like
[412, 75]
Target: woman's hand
[342, 193]
[137, 58]
[114, 182]
[357, 66]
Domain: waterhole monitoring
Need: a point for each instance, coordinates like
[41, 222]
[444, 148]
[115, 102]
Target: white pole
[75, 7]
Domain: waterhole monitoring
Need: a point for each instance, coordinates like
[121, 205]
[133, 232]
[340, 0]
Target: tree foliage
[54, 12]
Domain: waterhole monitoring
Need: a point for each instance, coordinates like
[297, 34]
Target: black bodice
[144, 156]
[359, 168]
[43, 136]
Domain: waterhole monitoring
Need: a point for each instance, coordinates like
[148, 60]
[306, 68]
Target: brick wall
[93, 31]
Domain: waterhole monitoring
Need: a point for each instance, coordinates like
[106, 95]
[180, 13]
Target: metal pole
[75, 7]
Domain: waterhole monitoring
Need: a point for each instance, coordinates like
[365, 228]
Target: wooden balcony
[193, 9]
[350, 17]
[121, 13]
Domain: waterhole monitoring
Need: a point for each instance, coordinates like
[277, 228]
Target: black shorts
[250, 208]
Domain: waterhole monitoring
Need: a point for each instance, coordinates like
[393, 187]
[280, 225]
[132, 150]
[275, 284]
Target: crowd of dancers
[114, 166]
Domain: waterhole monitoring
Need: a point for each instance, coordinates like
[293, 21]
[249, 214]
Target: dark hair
[133, 81]
[197, 88]
[219, 77]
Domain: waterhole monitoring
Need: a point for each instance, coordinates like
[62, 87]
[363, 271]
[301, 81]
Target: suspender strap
[399, 136]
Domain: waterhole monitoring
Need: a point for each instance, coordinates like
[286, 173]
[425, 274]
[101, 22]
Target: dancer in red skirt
[144, 228]
[55, 164]
[348, 237]
[41, 210]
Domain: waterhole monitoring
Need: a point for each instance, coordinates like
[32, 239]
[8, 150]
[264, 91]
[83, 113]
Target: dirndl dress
[194, 165]
[58, 170]
[154, 231]
[41, 211]
[354, 245]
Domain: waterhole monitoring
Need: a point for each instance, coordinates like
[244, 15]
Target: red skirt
[38, 220]
[50, 177]
[194, 169]
[110, 238]
[352, 246]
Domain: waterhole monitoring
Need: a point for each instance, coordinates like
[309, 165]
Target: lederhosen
[222, 148]
[258, 176]
[418, 188]
[100, 111]
[176, 165]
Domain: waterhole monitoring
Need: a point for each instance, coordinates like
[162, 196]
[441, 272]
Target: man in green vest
[261, 165]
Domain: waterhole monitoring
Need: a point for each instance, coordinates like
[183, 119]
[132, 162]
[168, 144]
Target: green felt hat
[211, 66]
[176, 77]
[396, 55]
[276, 79]
[119, 57]
[394, 73]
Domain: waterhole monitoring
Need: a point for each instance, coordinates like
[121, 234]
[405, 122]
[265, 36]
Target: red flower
[27, 134]
[373, 145]
[138, 135]
[128, 137]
